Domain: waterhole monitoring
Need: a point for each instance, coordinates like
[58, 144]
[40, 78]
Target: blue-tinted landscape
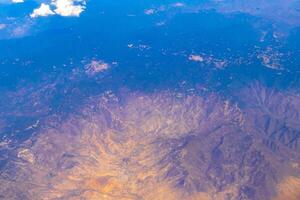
[149, 100]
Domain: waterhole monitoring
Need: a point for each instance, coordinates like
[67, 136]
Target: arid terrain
[164, 145]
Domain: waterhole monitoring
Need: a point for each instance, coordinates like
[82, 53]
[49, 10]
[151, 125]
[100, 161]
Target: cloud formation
[43, 11]
[196, 58]
[17, 1]
[68, 7]
[64, 8]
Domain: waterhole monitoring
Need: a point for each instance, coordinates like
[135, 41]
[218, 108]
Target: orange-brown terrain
[163, 146]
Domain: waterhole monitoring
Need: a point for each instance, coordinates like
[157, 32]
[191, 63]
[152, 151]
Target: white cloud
[17, 1]
[43, 11]
[178, 4]
[63, 8]
[149, 11]
[69, 7]
[10, 1]
[196, 58]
